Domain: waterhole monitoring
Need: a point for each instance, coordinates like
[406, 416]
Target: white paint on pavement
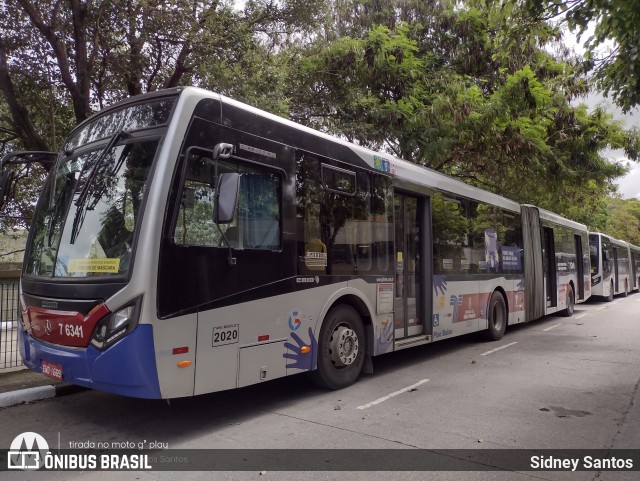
[498, 348]
[393, 394]
[549, 328]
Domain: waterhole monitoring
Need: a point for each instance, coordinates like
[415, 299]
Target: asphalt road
[555, 383]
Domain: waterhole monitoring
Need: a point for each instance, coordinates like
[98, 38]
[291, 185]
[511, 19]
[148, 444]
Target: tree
[469, 90]
[613, 51]
[623, 221]
[91, 54]
[60, 60]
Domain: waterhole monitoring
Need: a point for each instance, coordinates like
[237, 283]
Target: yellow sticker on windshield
[94, 265]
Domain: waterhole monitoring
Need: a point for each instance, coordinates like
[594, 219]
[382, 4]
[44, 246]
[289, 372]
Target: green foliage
[60, 61]
[623, 221]
[12, 245]
[613, 51]
[479, 89]
[467, 89]
[24, 191]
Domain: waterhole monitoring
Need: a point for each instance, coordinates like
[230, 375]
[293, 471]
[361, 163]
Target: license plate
[52, 370]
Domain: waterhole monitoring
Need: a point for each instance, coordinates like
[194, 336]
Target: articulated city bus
[186, 243]
[611, 269]
[635, 267]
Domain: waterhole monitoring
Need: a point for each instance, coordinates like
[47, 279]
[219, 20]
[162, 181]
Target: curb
[13, 398]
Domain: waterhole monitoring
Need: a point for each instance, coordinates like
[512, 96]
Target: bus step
[411, 341]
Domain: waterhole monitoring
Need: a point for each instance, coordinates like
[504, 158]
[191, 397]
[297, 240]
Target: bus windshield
[78, 235]
[85, 223]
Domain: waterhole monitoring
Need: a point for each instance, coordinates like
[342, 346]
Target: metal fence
[9, 315]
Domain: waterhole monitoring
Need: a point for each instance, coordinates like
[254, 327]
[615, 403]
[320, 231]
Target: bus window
[338, 233]
[606, 268]
[593, 254]
[450, 230]
[257, 222]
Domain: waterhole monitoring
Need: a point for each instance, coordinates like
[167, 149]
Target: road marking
[600, 308]
[498, 348]
[638, 300]
[582, 315]
[393, 394]
[549, 328]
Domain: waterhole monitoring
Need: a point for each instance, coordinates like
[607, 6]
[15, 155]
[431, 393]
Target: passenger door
[410, 256]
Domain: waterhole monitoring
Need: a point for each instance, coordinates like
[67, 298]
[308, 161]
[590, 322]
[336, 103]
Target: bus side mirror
[227, 197]
[5, 186]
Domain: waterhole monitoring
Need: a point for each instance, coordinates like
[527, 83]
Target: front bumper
[127, 368]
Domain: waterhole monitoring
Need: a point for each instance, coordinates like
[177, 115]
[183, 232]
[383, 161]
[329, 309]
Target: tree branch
[79, 99]
[19, 115]
[12, 252]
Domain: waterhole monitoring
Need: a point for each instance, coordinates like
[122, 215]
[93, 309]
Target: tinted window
[344, 222]
[471, 237]
[89, 210]
[257, 221]
[129, 118]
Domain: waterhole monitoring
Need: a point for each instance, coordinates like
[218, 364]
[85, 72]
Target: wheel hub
[344, 346]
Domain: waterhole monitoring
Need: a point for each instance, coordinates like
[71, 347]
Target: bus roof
[408, 172]
[613, 240]
[558, 219]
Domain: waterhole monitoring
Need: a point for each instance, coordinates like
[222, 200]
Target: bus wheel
[611, 292]
[497, 317]
[341, 349]
[571, 303]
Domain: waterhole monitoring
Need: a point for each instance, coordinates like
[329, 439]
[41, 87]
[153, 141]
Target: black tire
[611, 292]
[496, 317]
[341, 349]
[571, 302]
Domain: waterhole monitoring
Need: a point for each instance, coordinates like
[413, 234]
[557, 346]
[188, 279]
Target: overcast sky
[628, 186]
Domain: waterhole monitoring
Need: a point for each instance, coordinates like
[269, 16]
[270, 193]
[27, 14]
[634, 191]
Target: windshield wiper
[84, 193]
[60, 201]
[97, 195]
[96, 166]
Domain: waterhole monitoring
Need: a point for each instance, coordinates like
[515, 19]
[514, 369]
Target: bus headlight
[117, 325]
[23, 319]
[595, 280]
